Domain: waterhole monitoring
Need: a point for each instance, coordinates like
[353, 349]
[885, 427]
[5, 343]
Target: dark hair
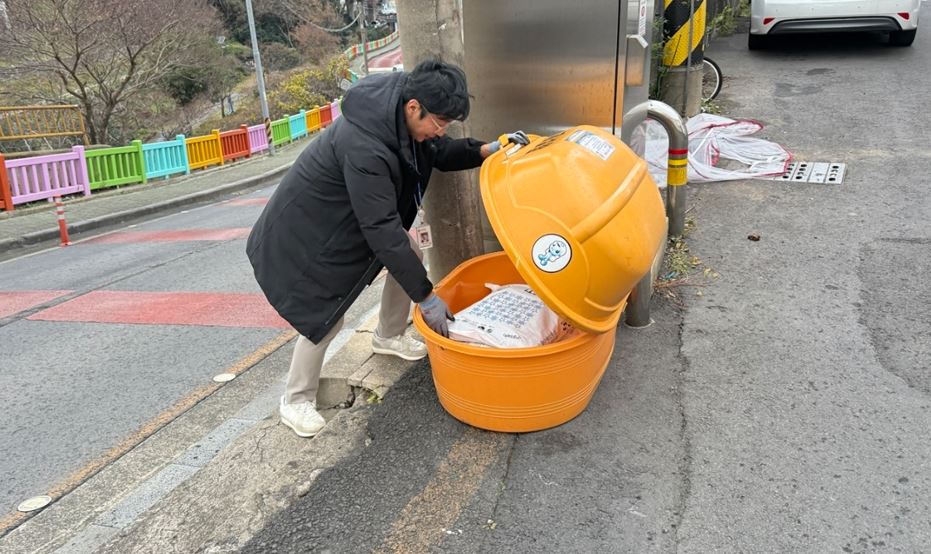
[440, 88]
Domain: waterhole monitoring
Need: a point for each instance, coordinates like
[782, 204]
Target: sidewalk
[36, 224]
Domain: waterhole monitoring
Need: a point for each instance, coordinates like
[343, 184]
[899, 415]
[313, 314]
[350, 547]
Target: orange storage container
[510, 389]
[581, 222]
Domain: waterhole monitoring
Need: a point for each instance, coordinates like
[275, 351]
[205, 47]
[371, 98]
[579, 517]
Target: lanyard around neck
[418, 200]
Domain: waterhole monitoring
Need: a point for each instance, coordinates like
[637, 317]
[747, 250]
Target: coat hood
[374, 105]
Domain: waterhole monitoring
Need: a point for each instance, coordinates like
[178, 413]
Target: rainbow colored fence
[44, 177]
[112, 167]
[81, 170]
[166, 158]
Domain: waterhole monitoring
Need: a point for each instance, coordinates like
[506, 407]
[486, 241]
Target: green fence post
[137, 144]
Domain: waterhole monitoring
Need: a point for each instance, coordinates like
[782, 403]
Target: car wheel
[756, 42]
[902, 38]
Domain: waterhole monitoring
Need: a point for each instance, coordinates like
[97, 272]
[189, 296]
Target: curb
[125, 215]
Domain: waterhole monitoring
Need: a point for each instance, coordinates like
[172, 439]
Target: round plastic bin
[510, 389]
[581, 222]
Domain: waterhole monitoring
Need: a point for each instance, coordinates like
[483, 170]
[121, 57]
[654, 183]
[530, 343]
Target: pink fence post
[248, 144]
[81, 169]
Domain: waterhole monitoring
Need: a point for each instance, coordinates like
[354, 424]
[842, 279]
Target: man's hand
[435, 313]
[517, 137]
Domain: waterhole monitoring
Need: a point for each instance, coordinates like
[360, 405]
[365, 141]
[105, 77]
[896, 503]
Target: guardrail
[258, 139]
[6, 196]
[111, 167]
[204, 151]
[35, 122]
[326, 115]
[355, 50]
[281, 132]
[166, 158]
[313, 120]
[43, 177]
[297, 124]
[235, 144]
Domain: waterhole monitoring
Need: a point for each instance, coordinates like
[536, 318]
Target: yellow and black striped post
[268, 136]
[683, 52]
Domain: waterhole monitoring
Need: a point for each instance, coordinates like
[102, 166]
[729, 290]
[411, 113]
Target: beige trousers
[307, 360]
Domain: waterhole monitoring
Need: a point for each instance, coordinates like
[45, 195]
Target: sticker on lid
[551, 253]
[593, 143]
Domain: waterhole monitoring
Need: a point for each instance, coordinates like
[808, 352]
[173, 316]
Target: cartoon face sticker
[551, 253]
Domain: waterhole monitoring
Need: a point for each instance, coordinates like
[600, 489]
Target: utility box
[546, 65]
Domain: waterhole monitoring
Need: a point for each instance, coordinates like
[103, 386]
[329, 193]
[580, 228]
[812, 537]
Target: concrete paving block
[336, 381]
[204, 450]
[88, 540]
[382, 372]
[221, 506]
[126, 512]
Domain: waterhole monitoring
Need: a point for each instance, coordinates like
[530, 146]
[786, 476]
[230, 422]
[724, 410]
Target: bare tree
[103, 52]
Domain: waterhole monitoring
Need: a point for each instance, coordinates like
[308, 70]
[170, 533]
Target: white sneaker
[302, 418]
[402, 346]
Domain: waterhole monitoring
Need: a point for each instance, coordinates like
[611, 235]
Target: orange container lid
[580, 218]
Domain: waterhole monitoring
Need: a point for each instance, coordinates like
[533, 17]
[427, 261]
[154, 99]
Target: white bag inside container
[511, 316]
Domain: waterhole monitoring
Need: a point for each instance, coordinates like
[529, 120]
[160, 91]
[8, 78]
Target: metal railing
[638, 305]
[38, 122]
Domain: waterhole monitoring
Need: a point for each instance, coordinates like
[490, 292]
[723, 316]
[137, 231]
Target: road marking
[167, 308]
[14, 302]
[249, 201]
[93, 467]
[421, 525]
[180, 235]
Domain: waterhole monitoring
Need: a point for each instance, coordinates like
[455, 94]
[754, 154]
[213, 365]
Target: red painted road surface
[390, 59]
[172, 236]
[248, 202]
[167, 308]
[13, 302]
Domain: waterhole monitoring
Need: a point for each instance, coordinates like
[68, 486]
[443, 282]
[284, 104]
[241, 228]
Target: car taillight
[904, 15]
[768, 20]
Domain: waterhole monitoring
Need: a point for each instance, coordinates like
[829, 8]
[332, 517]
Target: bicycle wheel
[711, 80]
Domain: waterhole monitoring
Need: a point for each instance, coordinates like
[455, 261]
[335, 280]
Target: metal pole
[638, 306]
[364, 36]
[259, 77]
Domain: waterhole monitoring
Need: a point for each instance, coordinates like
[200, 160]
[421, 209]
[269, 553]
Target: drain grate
[814, 172]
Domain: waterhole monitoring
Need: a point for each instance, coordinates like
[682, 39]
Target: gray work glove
[517, 137]
[435, 313]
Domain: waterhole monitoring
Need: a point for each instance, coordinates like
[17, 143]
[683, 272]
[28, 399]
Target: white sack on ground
[511, 316]
[713, 140]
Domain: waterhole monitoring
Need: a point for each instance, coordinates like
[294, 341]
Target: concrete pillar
[433, 28]
[681, 89]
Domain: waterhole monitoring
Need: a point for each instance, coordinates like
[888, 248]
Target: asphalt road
[785, 409]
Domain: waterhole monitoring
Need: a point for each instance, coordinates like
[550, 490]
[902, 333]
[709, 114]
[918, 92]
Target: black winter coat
[341, 212]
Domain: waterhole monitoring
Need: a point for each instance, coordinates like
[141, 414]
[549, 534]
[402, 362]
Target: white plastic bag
[511, 316]
[713, 138]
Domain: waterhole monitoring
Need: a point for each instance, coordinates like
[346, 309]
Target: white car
[775, 17]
